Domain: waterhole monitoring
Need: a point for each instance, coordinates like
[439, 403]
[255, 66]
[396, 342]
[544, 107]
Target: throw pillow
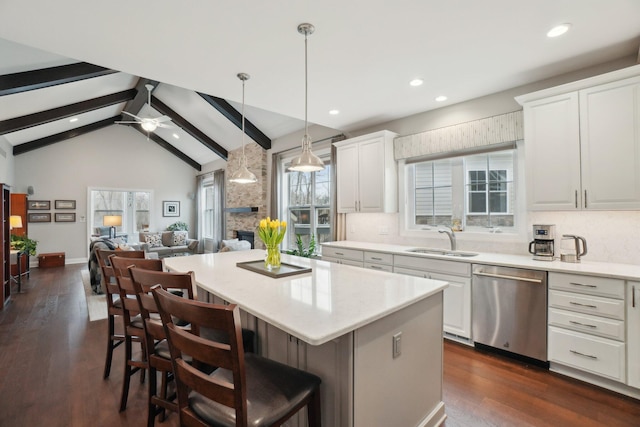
[179, 238]
[154, 240]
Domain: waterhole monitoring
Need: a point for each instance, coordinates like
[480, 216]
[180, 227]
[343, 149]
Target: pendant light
[243, 175]
[306, 161]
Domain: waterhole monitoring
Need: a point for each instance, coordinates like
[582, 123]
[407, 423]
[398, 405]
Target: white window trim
[516, 234]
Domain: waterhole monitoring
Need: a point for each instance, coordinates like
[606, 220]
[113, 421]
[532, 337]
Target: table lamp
[112, 221]
[15, 221]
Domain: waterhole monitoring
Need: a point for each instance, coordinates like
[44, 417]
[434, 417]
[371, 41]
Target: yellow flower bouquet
[271, 232]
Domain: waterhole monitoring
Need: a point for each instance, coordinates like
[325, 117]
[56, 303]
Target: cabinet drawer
[341, 253]
[608, 328]
[433, 265]
[593, 354]
[379, 267]
[378, 257]
[599, 286]
[587, 304]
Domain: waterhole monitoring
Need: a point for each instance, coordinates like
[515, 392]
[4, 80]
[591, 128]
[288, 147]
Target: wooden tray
[284, 270]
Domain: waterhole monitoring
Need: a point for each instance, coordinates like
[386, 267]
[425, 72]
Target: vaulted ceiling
[361, 58]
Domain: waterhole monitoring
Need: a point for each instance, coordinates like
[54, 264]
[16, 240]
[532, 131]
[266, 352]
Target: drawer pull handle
[573, 322]
[583, 285]
[508, 277]
[583, 305]
[339, 253]
[584, 355]
[633, 297]
[376, 258]
[375, 267]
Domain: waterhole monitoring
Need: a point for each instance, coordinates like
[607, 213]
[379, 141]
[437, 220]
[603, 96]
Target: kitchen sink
[430, 251]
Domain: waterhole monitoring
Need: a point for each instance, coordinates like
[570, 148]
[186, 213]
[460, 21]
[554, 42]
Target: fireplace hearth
[246, 235]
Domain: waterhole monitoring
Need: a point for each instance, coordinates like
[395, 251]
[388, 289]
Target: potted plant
[309, 252]
[178, 226]
[24, 244]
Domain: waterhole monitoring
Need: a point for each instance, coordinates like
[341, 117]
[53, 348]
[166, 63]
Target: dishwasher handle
[504, 276]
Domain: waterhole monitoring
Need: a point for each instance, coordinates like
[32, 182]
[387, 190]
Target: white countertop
[315, 307]
[591, 268]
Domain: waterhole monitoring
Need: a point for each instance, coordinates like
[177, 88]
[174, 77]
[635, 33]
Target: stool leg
[314, 413]
[110, 346]
[127, 373]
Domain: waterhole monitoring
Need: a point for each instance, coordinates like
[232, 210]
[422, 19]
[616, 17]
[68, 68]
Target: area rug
[96, 304]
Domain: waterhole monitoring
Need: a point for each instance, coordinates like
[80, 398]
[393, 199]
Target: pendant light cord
[306, 90]
[244, 159]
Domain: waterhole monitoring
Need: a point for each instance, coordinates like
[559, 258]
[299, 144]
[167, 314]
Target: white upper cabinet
[610, 145]
[367, 174]
[552, 153]
[582, 144]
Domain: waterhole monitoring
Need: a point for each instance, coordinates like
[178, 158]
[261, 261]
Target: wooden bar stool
[114, 306]
[133, 324]
[246, 389]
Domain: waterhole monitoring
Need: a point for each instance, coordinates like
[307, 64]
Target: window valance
[462, 137]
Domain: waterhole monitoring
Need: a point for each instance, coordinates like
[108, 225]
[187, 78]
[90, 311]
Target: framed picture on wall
[39, 205]
[65, 217]
[65, 204]
[170, 208]
[40, 217]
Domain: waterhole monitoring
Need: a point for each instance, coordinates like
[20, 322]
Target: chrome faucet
[452, 237]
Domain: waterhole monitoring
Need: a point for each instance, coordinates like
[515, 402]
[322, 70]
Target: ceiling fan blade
[132, 115]
[120, 121]
[165, 126]
[163, 119]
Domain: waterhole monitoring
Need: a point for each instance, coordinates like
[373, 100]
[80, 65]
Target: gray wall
[115, 157]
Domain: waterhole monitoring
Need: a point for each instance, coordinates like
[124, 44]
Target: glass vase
[272, 260]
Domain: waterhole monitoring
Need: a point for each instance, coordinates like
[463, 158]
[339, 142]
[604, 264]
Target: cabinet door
[610, 145]
[457, 305]
[371, 175]
[633, 333]
[552, 153]
[347, 177]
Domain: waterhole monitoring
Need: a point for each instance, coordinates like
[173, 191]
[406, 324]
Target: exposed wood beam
[235, 117]
[135, 105]
[170, 148]
[45, 77]
[189, 128]
[52, 139]
[35, 119]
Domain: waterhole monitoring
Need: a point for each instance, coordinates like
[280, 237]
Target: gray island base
[375, 338]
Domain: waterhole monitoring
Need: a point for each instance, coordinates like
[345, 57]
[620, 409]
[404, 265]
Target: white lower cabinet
[633, 334]
[457, 296]
[587, 324]
[589, 353]
[343, 256]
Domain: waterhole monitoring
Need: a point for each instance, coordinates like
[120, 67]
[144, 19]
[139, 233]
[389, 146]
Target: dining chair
[246, 389]
[114, 305]
[156, 346]
[133, 324]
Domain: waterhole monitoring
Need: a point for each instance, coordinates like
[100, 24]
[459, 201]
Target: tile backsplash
[612, 236]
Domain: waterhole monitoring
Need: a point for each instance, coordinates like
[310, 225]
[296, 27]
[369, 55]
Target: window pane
[477, 203]
[299, 188]
[323, 186]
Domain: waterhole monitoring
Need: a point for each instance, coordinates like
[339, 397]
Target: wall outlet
[397, 344]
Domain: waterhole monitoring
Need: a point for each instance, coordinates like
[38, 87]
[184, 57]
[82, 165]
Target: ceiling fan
[149, 124]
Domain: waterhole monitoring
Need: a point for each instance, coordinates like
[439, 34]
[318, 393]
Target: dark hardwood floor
[52, 357]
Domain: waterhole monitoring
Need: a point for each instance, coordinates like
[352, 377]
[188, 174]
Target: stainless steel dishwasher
[510, 310]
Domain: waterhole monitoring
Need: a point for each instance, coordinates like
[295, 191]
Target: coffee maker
[542, 246]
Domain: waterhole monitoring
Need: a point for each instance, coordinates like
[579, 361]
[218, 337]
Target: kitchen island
[375, 338]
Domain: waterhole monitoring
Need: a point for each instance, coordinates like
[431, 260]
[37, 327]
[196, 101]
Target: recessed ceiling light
[334, 112]
[73, 119]
[416, 82]
[176, 136]
[441, 98]
[558, 30]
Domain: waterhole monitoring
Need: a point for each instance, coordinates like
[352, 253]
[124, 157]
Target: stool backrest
[229, 355]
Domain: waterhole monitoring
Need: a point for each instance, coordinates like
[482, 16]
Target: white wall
[6, 162]
[112, 157]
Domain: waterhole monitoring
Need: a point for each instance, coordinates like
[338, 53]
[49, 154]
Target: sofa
[168, 243]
